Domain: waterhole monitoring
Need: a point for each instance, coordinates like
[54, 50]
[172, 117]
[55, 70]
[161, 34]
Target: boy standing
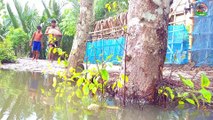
[36, 42]
[56, 33]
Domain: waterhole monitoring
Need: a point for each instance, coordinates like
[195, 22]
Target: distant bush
[19, 41]
[7, 54]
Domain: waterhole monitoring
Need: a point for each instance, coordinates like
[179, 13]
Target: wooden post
[190, 32]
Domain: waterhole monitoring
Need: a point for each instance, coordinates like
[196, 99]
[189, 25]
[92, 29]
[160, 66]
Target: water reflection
[33, 86]
[30, 96]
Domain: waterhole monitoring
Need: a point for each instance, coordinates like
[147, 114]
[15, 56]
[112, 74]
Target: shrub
[7, 54]
[19, 40]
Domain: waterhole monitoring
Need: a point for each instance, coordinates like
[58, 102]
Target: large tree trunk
[146, 46]
[77, 53]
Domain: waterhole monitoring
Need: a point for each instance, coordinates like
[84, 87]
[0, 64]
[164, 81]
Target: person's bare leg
[37, 54]
[49, 52]
[34, 55]
[51, 56]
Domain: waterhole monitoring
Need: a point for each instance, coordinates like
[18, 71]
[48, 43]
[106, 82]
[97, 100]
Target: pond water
[21, 98]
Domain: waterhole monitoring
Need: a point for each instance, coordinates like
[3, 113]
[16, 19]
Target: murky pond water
[21, 97]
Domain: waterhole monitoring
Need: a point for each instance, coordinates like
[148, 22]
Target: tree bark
[146, 46]
[77, 53]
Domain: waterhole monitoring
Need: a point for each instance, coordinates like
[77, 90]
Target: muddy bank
[27, 64]
[42, 66]
[170, 71]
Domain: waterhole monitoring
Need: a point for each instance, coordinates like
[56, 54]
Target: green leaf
[120, 85]
[109, 57]
[94, 90]
[60, 51]
[104, 74]
[110, 64]
[114, 4]
[59, 60]
[42, 91]
[80, 81]
[119, 59]
[205, 82]
[78, 93]
[160, 91]
[181, 102]
[54, 50]
[114, 85]
[125, 77]
[57, 89]
[185, 94]
[187, 82]
[54, 82]
[91, 86]
[196, 100]
[190, 101]
[85, 90]
[206, 94]
[49, 93]
[170, 92]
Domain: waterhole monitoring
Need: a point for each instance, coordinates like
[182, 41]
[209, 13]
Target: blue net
[110, 50]
[178, 45]
[202, 47]
[177, 48]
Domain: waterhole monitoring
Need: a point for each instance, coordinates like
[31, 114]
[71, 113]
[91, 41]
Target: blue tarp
[177, 48]
[202, 47]
[100, 50]
[177, 45]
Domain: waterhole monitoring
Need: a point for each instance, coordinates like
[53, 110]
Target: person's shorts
[36, 46]
[55, 44]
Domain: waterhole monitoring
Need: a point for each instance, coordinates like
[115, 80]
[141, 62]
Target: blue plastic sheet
[100, 50]
[177, 48]
[177, 45]
[202, 47]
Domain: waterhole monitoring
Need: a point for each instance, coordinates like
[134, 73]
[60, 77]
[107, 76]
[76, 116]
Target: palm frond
[19, 11]
[12, 17]
[31, 18]
[46, 9]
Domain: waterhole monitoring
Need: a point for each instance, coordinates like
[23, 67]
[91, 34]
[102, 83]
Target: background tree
[106, 8]
[146, 45]
[77, 53]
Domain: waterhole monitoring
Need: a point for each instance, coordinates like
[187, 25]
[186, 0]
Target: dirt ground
[170, 71]
[28, 64]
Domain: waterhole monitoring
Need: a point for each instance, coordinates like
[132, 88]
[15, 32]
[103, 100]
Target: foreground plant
[86, 88]
[189, 94]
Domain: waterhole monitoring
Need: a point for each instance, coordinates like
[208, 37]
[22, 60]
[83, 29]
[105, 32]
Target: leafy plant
[18, 39]
[189, 94]
[106, 8]
[6, 52]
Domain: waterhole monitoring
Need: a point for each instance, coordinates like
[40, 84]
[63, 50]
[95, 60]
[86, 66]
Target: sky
[32, 3]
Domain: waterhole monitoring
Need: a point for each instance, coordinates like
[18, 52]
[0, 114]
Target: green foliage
[18, 38]
[1, 4]
[31, 19]
[6, 52]
[190, 95]
[205, 82]
[12, 17]
[2, 7]
[187, 82]
[206, 94]
[104, 74]
[20, 15]
[106, 8]
[69, 21]
[85, 85]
